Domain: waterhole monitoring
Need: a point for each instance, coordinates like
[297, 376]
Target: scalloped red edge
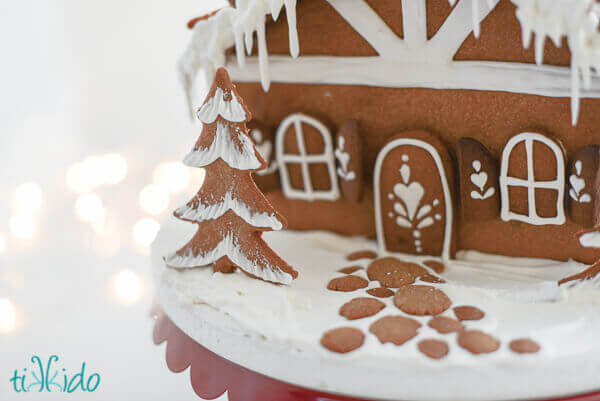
[211, 375]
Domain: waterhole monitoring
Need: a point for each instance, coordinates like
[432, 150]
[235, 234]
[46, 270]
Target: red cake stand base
[212, 375]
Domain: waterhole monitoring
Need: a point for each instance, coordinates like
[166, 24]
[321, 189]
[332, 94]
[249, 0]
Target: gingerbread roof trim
[576, 20]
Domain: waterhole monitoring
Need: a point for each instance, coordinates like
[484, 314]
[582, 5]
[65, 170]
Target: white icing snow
[590, 240]
[230, 110]
[211, 212]
[228, 247]
[235, 27]
[224, 148]
[268, 328]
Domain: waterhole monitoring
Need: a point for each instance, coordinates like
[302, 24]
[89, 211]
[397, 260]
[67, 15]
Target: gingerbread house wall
[492, 118]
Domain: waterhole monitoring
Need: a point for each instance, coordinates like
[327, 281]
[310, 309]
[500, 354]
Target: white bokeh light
[154, 199]
[28, 197]
[115, 168]
[173, 176]
[89, 208]
[22, 226]
[127, 287]
[8, 316]
[145, 230]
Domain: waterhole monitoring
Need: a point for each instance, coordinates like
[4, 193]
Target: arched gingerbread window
[304, 154]
[532, 180]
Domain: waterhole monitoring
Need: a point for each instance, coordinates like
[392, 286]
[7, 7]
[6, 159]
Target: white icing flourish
[578, 185]
[409, 212]
[305, 160]
[235, 27]
[230, 110]
[224, 148]
[229, 247]
[265, 148]
[530, 183]
[590, 240]
[479, 179]
[343, 159]
[210, 212]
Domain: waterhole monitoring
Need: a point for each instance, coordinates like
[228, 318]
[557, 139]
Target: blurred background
[93, 125]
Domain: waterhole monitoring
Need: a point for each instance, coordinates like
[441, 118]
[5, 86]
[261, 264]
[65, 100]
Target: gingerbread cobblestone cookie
[524, 346]
[468, 312]
[350, 269]
[436, 266]
[381, 292]
[434, 349]
[343, 340]
[430, 278]
[394, 273]
[359, 308]
[347, 283]
[395, 329]
[421, 300]
[361, 255]
[445, 325]
[477, 342]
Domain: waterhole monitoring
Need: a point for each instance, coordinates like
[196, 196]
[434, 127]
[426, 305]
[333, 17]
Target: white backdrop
[85, 78]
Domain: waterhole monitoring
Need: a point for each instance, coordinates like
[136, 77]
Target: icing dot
[390, 196]
[436, 202]
[405, 158]
[417, 234]
[438, 216]
[391, 215]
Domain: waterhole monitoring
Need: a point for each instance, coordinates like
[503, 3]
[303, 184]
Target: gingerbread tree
[229, 209]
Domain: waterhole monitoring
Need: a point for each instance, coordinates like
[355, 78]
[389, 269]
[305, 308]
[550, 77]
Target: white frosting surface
[275, 330]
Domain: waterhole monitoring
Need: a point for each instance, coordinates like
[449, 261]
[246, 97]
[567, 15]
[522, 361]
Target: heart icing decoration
[578, 185]
[411, 195]
[479, 179]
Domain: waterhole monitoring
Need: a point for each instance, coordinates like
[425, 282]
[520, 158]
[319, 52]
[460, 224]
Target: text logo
[49, 376]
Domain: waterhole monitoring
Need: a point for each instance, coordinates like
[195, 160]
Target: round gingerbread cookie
[421, 300]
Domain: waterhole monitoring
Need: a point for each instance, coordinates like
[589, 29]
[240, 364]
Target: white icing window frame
[304, 160]
[558, 184]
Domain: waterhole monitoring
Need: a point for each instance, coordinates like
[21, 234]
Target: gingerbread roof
[241, 24]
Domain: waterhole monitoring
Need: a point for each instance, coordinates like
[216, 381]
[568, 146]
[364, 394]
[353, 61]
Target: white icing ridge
[577, 20]
[222, 147]
[212, 212]
[590, 240]
[228, 247]
[230, 110]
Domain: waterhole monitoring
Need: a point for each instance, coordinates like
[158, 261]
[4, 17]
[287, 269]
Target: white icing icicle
[230, 110]
[235, 27]
[222, 147]
[578, 21]
[211, 212]
[228, 247]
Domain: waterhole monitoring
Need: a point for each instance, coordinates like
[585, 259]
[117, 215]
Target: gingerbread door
[413, 201]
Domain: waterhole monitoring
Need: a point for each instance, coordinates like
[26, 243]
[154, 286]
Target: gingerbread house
[433, 126]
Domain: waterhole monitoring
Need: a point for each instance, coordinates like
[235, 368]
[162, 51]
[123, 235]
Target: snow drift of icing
[228, 247]
[235, 27]
[224, 148]
[230, 110]
[211, 212]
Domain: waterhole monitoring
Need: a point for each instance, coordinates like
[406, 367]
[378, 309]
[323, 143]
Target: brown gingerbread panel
[583, 186]
[478, 181]
[348, 154]
[414, 180]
